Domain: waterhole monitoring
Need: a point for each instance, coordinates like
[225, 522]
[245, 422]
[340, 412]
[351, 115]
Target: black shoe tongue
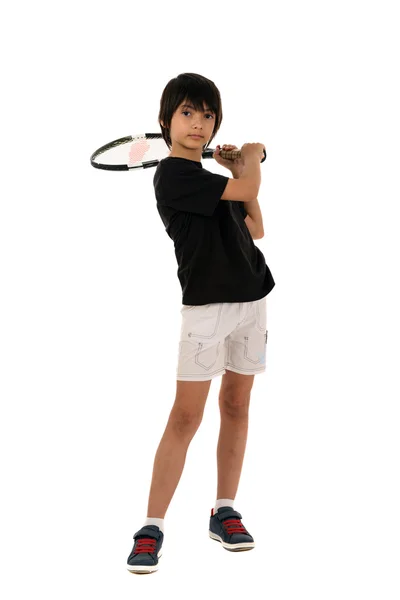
[224, 509]
[152, 528]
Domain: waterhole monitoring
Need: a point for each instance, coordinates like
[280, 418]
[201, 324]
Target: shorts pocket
[203, 323]
[207, 356]
[255, 348]
[261, 314]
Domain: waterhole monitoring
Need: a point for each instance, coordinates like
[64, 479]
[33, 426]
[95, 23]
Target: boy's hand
[235, 166]
[251, 149]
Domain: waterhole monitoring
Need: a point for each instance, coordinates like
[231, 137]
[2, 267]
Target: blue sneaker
[226, 527]
[146, 550]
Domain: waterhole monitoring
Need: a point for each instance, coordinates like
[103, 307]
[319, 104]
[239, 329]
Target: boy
[212, 220]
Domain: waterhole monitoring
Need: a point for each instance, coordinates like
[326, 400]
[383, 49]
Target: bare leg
[234, 400]
[168, 467]
[184, 420]
[230, 454]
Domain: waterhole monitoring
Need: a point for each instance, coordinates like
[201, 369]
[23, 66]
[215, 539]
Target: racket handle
[232, 154]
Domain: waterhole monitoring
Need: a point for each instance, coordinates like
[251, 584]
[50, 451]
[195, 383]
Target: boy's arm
[254, 219]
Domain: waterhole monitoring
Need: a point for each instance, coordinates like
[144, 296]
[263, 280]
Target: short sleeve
[185, 186]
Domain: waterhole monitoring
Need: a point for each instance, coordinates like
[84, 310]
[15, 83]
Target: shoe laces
[145, 545]
[233, 526]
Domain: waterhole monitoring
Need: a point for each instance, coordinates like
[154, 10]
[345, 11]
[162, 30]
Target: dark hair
[194, 88]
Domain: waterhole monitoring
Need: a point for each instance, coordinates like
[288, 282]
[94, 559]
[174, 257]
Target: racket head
[141, 151]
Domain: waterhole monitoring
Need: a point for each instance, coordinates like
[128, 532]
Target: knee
[185, 422]
[235, 406]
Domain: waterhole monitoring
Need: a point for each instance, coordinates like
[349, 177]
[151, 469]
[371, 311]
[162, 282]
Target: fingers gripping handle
[232, 154]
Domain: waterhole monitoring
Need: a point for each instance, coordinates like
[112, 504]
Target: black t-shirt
[217, 258]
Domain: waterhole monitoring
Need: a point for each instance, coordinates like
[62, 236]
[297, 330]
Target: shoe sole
[144, 569]
[232, 547]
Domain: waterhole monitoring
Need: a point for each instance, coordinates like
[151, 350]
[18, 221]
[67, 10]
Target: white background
[90, 301]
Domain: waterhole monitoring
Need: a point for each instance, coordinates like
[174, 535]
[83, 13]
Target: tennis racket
[142, 152]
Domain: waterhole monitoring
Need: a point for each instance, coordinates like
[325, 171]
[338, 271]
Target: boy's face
[185, 123]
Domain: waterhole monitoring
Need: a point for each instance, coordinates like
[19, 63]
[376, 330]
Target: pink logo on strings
[137, 151]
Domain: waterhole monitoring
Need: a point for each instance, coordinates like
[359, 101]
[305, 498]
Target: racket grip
[232, 154]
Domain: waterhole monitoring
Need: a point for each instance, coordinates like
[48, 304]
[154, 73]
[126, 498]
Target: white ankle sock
[223, 502]
[154, 521]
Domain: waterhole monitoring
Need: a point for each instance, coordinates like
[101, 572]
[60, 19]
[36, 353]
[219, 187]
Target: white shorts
[222, 336]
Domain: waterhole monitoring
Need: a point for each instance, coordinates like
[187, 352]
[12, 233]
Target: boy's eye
[207, 114]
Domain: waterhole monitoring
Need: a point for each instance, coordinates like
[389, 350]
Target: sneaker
[226, 528]
[146, 550]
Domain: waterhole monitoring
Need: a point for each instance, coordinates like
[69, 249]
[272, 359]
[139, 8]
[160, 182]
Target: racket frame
[208, 153]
